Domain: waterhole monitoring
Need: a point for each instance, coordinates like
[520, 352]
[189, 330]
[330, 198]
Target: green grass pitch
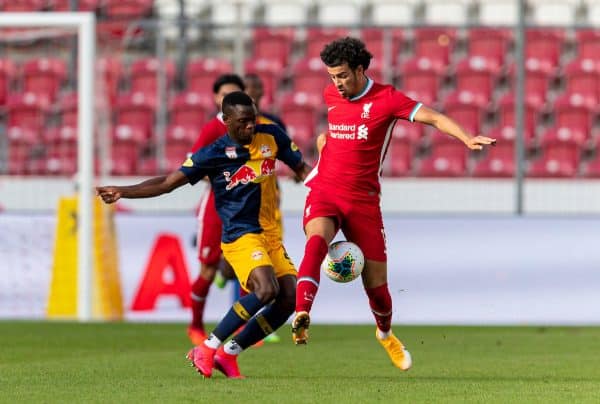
[144, 363]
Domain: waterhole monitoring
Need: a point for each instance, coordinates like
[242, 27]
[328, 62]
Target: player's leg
[321, 220]
[209, 254]
[364, 226]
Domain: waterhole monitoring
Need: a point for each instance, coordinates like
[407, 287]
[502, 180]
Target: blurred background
[511, 233]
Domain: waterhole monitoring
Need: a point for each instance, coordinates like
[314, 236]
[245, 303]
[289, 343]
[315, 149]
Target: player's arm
[447, 125]
[147, 189]
[302, 171]
[321, 140]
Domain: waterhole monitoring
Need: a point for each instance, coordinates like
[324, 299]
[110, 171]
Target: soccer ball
[344, 262]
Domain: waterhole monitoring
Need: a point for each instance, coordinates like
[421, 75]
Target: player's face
[241, 123]
[347, 81]
[255, 90]
[223, 91]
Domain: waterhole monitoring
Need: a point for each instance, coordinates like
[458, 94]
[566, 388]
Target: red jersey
[211, 131]
[359, 132]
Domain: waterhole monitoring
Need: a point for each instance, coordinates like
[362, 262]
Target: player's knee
[266, 291]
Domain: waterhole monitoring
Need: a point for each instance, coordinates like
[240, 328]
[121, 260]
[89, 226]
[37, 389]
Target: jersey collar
[364, 90]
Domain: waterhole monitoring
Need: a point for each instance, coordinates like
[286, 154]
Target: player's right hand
[109, 194]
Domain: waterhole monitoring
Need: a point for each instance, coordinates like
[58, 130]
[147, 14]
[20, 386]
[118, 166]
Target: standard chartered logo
[363, 132]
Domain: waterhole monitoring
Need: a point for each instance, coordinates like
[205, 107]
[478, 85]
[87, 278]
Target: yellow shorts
[255, 250]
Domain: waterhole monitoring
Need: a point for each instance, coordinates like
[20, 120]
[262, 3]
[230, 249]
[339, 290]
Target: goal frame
[85, 24]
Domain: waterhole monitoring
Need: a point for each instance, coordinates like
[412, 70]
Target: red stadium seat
[125, 149]
[109, 70]
[66, 109]
[201, 73]
[588, 43]
[448, 157]
[377, 38]
[136, 109]
[317, 38]
[144, 75]
[399, 160]
[561, 150]
[477, 75]
[127, 8]
[467, 109]
[591, 169]
[7, 74]
[83, 5]
[190, 109]
[545, 44]
[506, 112]
[301, 118]
[422, 76]
[583, 77]
[538, 75]
[575, 112]
[147, 166]
[20, 141]
[44, 76]
[179, 143]
[499, 160]
[27, 110]
[435, 43]
[309, 76]
[274, 44]
[407, 131]
[491, 44]
[270, 72]
[23, 5]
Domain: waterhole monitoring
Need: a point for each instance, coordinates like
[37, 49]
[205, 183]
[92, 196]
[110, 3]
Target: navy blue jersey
[243, 179]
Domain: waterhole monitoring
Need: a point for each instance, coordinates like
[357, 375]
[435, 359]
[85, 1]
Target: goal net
[51, 236]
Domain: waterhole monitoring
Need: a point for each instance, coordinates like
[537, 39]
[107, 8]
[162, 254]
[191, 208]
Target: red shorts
[360, 220]
[209, 230]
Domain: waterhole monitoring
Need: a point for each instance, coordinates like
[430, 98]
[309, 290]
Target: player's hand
[109, 194]
[477, 142]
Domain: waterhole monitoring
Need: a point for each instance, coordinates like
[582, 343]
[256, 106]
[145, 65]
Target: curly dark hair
[346, 50]
[228, 78]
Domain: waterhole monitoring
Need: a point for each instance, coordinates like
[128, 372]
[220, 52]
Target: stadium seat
[436, 44]
[506, 112]
[301, 117]
[125, 9]
[179, 141]
[545, 44]
[591, 168]
[317, 38]
[583, 77]
[27, 110]
[498, 12]
[126, 143]
[82, 5]
[66, 109]
[190, 109]
[411, 132]
[144, 75]
[273, 43]
[109, 70]
[309, 76]
[23, 5]
[561, 150]
[60, 144]
[271, 72]
[423, 77]
[19, 143]
[201, 73]
[399, 159]
[447, 158]
[573, 111]
[393, 13]
[467, 109]
[446, 12]
[44, 76]
[7, 75]
[538, 75]
[554, 12]
[377, 40]
[285, 12]
[491, 44]
[588, 43]
[136, 109]
[339, 12]
[498, 161]
[477, 75]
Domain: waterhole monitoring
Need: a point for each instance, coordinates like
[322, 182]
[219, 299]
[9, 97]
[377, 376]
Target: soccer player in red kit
[344, 185]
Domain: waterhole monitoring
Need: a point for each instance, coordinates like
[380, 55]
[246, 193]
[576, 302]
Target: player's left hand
[477, 142]
[109, 194]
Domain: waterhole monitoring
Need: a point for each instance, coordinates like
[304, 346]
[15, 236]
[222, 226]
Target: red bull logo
[252, 171]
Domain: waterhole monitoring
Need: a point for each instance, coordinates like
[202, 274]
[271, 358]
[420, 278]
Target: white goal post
[85, 24]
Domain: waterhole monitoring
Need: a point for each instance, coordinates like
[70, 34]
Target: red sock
[309, 273]
[381, 306]
[200, 290]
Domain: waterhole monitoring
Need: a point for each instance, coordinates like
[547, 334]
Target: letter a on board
[167, 255]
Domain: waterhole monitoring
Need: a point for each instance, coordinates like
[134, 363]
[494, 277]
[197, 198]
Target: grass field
[124, 363]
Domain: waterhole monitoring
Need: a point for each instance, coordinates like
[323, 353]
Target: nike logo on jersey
[330, 108]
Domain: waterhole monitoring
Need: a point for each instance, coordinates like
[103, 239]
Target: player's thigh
[322, 216]
[209, 232]
[248, 252]
[363, 225]
[282, 263]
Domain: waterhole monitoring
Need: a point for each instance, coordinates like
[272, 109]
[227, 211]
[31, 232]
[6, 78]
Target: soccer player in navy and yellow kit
[240, 166]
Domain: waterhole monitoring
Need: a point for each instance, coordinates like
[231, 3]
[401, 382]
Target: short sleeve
[197, 166]
[287, 151]
[403, 106]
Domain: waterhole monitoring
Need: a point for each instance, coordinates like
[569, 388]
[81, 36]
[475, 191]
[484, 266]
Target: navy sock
[238, 315]
[261, 325]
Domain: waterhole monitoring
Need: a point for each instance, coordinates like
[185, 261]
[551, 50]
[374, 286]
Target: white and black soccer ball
[344, 262]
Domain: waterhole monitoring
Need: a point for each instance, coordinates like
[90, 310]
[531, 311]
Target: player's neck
[365, 85]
